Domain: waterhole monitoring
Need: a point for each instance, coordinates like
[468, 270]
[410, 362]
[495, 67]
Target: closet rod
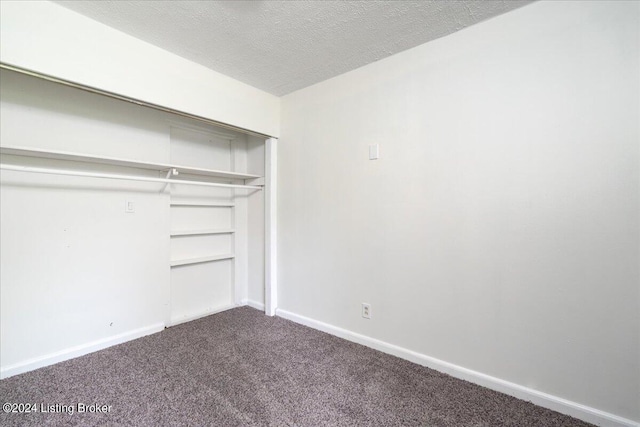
[123, 177]
[106, 93]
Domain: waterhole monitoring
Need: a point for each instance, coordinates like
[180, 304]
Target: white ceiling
[283, 46]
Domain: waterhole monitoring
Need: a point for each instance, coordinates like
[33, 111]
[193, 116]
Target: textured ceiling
[282, 46]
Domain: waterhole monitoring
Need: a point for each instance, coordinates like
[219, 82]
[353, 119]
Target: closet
[119, 219]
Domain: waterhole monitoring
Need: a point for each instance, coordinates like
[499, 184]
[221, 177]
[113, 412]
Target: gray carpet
[241, 368]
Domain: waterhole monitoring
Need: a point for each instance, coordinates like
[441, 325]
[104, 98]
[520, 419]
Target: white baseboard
[196, 316]
[255, 304]
[558, 404]
[77, 351]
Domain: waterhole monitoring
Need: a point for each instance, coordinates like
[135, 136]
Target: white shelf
[188, 318]
[199, 260]
[64, 155]
[200, 232]
[203, 204]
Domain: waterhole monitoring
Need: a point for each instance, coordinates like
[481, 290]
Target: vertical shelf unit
[211, 231]
[203, 221]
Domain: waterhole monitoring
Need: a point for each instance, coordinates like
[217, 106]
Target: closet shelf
[203, 204]
[179, 262]
[200, 232]
[63, 155]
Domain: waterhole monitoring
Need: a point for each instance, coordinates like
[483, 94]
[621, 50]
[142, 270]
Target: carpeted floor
[241, 368]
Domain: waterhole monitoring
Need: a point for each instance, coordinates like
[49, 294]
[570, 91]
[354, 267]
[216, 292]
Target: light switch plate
[374, 152]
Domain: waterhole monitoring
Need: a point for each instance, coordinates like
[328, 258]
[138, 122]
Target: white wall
[45, 37]
[75, 269]
[499, 229]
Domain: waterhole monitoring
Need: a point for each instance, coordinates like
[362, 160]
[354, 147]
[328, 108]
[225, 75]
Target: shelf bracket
[170, 172]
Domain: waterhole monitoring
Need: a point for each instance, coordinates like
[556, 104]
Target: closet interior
[119, 219]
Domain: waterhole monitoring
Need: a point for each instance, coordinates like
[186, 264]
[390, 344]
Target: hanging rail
[88, 158]
[123, 177]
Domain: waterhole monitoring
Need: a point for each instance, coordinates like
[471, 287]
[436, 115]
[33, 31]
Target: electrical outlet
[366, 310]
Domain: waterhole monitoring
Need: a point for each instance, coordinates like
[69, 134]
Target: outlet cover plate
[366, 310]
